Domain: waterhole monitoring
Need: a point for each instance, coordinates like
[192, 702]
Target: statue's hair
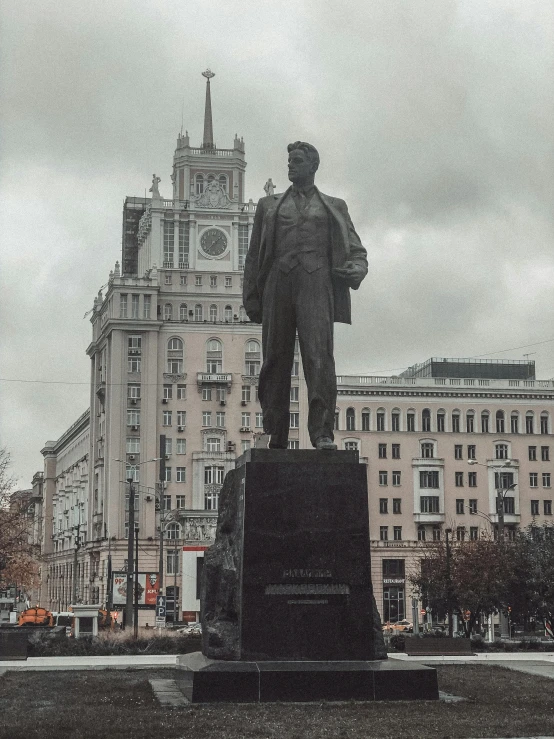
[310, 151]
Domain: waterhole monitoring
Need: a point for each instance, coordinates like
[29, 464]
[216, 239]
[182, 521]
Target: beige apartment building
[173, 403]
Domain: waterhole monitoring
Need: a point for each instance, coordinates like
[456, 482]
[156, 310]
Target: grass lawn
[113, 704]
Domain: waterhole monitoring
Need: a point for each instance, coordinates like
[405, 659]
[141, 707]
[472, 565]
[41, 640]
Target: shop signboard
[148, 589]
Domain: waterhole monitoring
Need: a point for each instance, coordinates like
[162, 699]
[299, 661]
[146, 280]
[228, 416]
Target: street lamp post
[501, 492]
[129, 609]
[449, 585]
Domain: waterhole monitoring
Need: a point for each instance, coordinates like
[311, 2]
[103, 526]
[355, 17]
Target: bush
[113, 643]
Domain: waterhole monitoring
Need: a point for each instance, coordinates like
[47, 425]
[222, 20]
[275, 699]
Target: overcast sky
[434, 120]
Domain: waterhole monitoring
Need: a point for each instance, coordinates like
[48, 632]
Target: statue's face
[300, 167]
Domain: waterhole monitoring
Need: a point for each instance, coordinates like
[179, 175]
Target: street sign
[160, 601]
[160, 623]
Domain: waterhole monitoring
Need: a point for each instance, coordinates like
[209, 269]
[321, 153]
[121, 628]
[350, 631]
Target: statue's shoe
[324, 442]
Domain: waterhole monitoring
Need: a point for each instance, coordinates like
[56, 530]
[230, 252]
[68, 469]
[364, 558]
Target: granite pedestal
[287, 600]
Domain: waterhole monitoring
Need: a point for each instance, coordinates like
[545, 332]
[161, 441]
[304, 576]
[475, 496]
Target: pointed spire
[208, 142]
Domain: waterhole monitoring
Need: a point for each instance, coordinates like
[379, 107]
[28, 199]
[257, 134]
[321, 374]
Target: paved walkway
[135, 661]
[532, 663]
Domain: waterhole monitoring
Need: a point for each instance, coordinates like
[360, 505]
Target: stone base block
[216, 681]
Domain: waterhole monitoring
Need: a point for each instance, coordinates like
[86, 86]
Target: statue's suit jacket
[345, 247]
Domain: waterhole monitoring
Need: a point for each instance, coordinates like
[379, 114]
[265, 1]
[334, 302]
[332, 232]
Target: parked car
[195, 628]
[404, 625]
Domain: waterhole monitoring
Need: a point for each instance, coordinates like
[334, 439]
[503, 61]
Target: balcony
[429, 517]
[219, 378]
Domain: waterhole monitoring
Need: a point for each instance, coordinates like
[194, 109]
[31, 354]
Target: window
[383, 477]
[245, 445]
[509, 505]
[295, 368]
[198, 280]
[534, 507]
[485, 422]
[252, 358]
[198, 313]
[167, 392]
[206, 418]
[426, 420]
[460, 533]
[294, 394]
[436, 533]
[459, 479]
[220, 419]
[184, 240]
[172, 562]
[181, 392]
[133, 417]
[421, 533]
[351, 446]
[514, 423]
[456, 422]
[134, 351]
[397, 505]
[167, 479]
[440, 421]
[458, 451]
[472, 479]
[410, 421]
[169, 243]
[214, 475]
[532, 450]
[383, 505]
[213, 444]
[365, 420]
[228, 313]
[427, 449]
[544, 423]
[123, 305]
[471, 451]
[132, 445]
[175, 356]
[350, 419]
[547, 507]
[500, 425]
[503, 480]
[501, 451]
[380, 420]
[470, 422]
[213, 313]
[429, 504]
[206, 393]
[245, 420]
[546, 479]
[294, 420]
[396, 478]
[473, 533]
[460, 506]
[146, 306]
[396, 451]
[382, 451]
[529, 423]
[173, 531]
[168, 444]
[545, 453]
[245, 393]
[181, 446]
[293, 444]
[214, 356]
[336, 421]
[168, 312]
[429, 479]
[133, 391]
[394, 568]
[166, 418]
[243, 243]
[473, 506]
[213, 281]
[181, 418]
[397, 533]
[384, 533]
[199, 184]
[134, 306]
[259, 420]
[228, 281]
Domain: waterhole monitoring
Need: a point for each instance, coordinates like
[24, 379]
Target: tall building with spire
[174, 368]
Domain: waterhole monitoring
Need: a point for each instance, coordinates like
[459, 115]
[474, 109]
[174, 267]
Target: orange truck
[35, 617]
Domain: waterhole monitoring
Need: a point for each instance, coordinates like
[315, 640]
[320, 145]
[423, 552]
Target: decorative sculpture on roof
[154, 189]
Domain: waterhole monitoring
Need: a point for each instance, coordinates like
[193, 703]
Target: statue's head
[303, 162]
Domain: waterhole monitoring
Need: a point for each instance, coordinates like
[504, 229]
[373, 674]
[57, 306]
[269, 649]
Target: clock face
[213, 242]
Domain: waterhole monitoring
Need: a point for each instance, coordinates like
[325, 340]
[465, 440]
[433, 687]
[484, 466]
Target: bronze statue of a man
[304, 256]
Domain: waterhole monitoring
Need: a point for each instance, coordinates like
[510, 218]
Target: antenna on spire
[208, 142]
[182, 115]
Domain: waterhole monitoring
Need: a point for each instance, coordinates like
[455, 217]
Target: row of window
[442, 422]
[197, 313]
[430, 479]
[431, 505]
[422, 533]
